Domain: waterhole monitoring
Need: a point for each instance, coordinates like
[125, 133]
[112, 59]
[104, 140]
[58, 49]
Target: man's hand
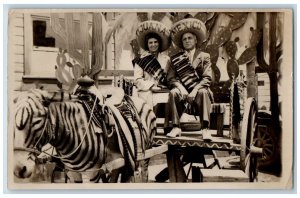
[183, 92]
[191, 96]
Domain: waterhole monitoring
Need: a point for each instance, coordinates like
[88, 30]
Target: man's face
[153, 45]
[189, 41]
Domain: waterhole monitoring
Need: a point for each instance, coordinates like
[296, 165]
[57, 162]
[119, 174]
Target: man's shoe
[176, 132]
[206, 135]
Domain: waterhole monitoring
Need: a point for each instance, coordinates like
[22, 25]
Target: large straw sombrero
[153, 27]
[191, 25]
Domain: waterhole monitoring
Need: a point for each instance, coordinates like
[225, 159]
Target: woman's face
[153, 45]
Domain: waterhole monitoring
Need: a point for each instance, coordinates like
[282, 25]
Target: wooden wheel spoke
[268, 140]
[268, 146]
[259, 135]
[264, 156]
[268, 150]
[263, 136]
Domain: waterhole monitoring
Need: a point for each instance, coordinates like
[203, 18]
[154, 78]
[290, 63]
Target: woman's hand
[162, 86]
[155, 88]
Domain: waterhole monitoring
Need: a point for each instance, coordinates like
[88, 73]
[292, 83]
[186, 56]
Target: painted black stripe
[29, 137]
[61, 96]
[147, 115]
[96, 177]
[72, 128]
[63, 134]
[37, 122]
[67, 119]
[59, 127]
[93, 152]
[77, 157]
[141, 111]
[89, 144]
[70, 147]
[23, 121]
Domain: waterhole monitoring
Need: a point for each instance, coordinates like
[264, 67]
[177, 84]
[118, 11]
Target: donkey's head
[30, 127]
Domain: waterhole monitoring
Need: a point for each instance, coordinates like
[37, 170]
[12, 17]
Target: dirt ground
[159, 162]
[156, 165]
[262, 177]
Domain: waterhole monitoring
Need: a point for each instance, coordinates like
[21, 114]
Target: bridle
[30, 150]
[34, 151]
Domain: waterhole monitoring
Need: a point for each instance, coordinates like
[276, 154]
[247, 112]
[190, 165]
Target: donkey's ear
[41, 94]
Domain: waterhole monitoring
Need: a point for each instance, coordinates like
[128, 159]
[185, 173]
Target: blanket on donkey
[136, 127]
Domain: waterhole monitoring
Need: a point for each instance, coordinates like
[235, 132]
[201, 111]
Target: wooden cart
[192, 144]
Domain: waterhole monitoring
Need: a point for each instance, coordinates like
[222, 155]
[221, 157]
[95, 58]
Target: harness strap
[31, 150]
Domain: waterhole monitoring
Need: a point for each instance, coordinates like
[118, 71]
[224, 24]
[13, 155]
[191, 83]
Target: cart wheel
[248, 133]
[266, 139]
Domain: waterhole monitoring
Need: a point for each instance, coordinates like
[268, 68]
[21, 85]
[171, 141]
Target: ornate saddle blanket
[151, 65]
[100, 121]
[97, 115]
[186, 73]
[132, 129]
[90, 103]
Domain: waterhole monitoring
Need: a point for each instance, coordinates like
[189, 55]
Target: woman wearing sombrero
[150, 69]
[189, 76]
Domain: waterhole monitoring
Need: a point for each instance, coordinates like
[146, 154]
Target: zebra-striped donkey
[83, 143]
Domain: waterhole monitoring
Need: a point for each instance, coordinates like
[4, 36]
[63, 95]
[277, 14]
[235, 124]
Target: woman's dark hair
[153, 35]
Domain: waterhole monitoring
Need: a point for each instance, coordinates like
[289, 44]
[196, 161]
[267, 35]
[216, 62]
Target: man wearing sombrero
[150, 69]
[189, 76]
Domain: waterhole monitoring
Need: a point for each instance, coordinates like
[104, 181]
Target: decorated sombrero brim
[153, 27]
[191, 25]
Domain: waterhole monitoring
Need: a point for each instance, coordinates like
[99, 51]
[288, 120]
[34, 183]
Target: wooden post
[97, 47]
[175, 165]
[84, 40]
[196, 174]
[171, 165]
[251, 80]
[273, 74]
[220, 124]
[28, 39]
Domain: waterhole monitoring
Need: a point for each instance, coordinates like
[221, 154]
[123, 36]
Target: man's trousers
[177, 105]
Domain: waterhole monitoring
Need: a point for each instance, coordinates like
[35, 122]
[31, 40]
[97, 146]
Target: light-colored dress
[145, 81]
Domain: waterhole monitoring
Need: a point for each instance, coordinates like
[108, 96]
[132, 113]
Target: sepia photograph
[150, 99]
